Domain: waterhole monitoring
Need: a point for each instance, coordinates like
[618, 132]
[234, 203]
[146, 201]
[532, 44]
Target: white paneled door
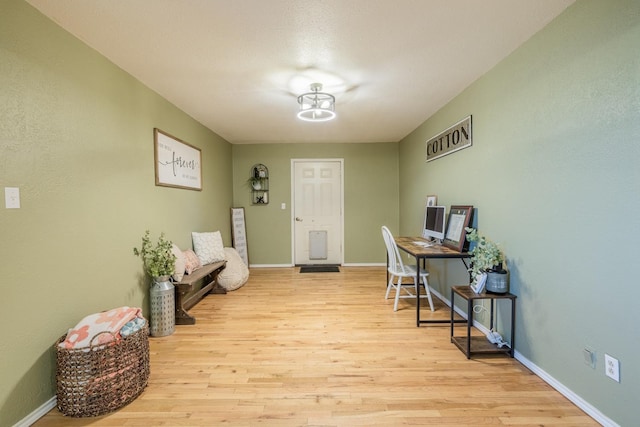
[317, 211]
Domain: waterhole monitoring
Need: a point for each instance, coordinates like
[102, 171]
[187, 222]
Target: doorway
[317, 219]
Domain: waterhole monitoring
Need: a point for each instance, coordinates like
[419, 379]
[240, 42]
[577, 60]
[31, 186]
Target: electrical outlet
[612, 367]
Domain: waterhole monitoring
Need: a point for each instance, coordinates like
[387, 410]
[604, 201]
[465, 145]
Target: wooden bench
[207, 272]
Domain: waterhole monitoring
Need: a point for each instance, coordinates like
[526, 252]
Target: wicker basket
[102, 378]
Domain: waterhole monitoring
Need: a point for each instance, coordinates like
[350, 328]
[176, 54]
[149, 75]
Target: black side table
[471, 345]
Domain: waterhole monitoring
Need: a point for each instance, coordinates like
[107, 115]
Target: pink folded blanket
[98, 326]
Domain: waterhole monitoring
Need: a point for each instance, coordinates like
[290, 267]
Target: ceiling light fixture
[316, 106]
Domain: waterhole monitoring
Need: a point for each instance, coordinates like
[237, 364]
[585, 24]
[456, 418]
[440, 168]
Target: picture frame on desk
[459, 219]
[432, 200]
[479, 283]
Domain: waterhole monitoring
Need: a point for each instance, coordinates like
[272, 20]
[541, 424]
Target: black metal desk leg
[417, 283]
[513, 327]
[452, 310]
[469, 322]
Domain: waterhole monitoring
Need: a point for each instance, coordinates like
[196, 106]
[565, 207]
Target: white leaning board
[239, 234]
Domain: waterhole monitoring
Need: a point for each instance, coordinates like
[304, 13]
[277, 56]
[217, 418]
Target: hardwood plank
[326, 349]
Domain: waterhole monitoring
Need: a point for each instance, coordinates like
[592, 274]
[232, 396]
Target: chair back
[393, 254]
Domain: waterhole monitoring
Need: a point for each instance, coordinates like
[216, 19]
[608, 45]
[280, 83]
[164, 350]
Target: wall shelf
[259, 183]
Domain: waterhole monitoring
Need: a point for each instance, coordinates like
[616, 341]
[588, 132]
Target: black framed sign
[450, 140]
[459, 219]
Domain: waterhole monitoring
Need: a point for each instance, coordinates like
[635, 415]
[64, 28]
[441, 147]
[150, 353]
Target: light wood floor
[326, 349]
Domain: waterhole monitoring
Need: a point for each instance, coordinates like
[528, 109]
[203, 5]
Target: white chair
[398, 270]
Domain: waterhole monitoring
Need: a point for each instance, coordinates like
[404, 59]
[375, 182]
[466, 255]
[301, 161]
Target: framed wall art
[432, 200]
[177, 163]
[239, 234]
[456, 235]
[450, 140]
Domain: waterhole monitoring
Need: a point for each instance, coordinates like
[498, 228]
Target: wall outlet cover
[12, 197]
[612, 367]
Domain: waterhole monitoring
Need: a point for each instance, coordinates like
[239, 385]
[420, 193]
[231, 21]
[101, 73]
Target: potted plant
[158, 260]
[159, 263]
[486, 257]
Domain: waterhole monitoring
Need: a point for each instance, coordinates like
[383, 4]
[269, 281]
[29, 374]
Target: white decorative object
[180, 267]
[478, 284]
[208, 246]
[235, 273]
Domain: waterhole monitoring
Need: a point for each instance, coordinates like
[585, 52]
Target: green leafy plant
[485, 256]
[158, 259]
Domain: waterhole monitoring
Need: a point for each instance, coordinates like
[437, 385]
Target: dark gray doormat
[319, 269]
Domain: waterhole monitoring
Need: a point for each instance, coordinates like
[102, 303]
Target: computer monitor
[434, 222]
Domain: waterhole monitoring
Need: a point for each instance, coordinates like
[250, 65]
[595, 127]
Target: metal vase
[497, 282]
[163, 307]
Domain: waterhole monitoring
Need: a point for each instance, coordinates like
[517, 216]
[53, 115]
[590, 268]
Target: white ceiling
[237, 66]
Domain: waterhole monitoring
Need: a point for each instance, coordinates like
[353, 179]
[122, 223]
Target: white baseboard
[558, 386]
[364, 264]
[37, 414]
[270, 265]
[343, 265]
[577, 400]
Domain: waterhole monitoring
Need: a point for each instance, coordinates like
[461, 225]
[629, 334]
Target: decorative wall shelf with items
[259, 184]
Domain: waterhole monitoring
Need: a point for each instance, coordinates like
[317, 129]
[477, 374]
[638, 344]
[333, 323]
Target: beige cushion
[208, 246]
[191, 261]
[236, 272]
[180, 265]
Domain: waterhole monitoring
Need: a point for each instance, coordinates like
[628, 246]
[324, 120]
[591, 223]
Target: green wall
[370, 197]
[76, 136]
[553, 172]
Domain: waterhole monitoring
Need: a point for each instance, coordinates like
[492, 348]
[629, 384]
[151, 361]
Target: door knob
[298, 219]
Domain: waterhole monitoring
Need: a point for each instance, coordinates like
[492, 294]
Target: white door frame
[292, 219]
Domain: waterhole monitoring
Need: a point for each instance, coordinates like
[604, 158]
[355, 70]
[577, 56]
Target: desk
[420, 253]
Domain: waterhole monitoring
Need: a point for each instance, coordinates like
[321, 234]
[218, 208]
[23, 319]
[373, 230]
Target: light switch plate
[12, 197]
[589, 357]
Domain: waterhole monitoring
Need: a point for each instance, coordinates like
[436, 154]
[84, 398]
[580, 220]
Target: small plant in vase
[486, 258]
[158, 259]
[159, 263]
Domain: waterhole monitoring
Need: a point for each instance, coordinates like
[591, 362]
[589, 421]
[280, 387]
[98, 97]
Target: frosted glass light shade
[316, 106]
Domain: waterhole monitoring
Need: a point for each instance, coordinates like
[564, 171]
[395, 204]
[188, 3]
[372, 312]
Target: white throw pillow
[208, 246]
[180, 266]
[236, 272]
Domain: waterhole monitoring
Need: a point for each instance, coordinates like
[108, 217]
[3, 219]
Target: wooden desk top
[466, 293]
[408, 245]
